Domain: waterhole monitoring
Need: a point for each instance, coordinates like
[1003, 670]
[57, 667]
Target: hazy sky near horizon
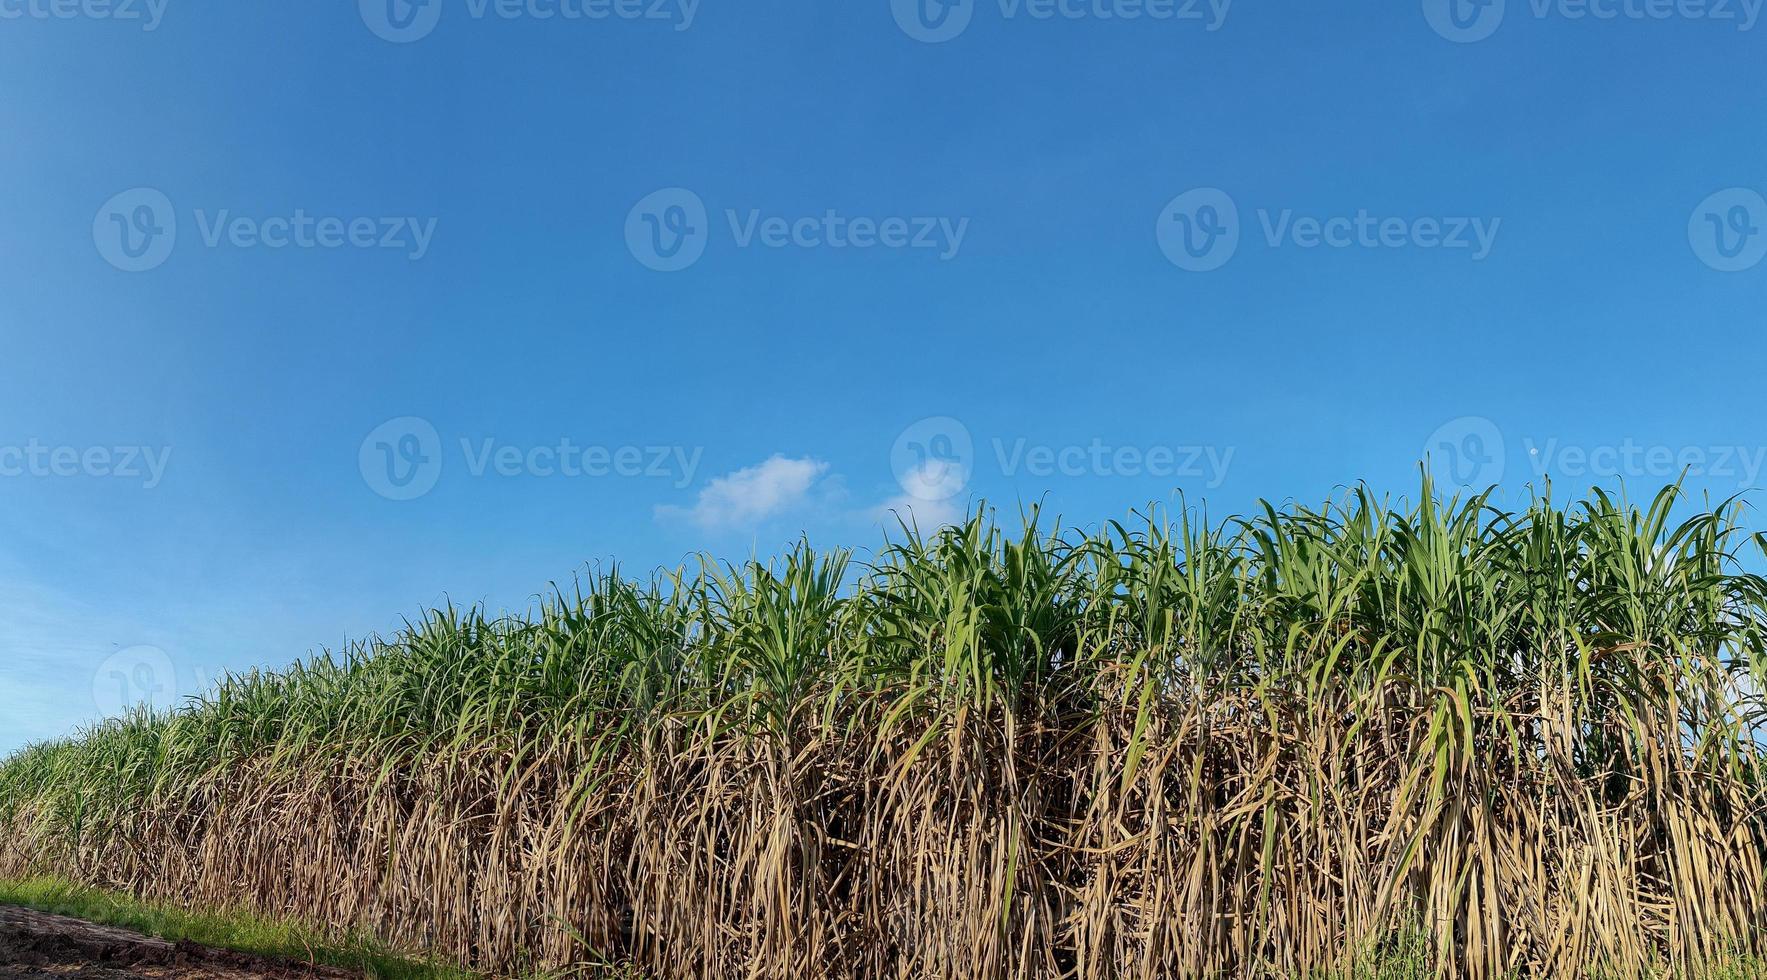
[316, 315]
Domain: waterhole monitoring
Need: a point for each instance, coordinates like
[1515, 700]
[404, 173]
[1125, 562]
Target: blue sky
[411, 340]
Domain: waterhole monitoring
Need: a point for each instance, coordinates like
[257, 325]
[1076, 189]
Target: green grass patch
[229, 930]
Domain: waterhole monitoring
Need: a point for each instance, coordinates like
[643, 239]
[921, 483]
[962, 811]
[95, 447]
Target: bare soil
[34, 946]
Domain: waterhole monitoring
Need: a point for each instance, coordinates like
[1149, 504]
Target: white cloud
[928, 515]
[933, 481]
[930, 501]
[751, 495]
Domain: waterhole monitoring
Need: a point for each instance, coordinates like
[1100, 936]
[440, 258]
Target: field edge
[232, 930]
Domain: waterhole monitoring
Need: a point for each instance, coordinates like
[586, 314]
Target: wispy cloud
[928, 503]
[748, 496]
[928, 515]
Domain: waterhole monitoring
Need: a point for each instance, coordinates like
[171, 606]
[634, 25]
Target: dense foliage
[1163, 748]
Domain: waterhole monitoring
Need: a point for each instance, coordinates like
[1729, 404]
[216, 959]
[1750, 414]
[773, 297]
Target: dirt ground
[34, 946]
